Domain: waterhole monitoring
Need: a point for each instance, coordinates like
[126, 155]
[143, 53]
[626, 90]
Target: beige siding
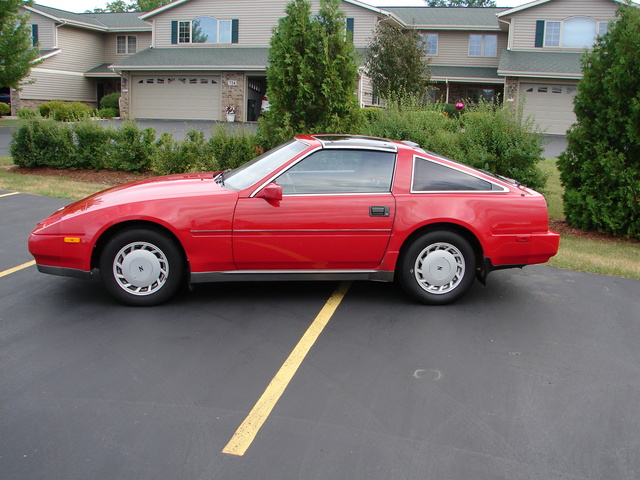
[523, 24]
[46, 31]
[110, 52]
[364, 23]
[453, 49]
[82, 50]
[61, 76]
[59, 85]
[257, 18]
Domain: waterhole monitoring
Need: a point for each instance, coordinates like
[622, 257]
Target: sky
[80, 6]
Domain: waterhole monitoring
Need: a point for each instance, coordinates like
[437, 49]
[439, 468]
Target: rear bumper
[543, 247]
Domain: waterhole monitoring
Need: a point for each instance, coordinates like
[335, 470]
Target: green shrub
[497, 140]
[65, 111]
[26, 114]
[108, 112]
[232, 150]
[43, 143]
[4, 109]
[111, 101]
[93, 145]
[406, 120]
[484, 136]
[192, 154]
[132, 149]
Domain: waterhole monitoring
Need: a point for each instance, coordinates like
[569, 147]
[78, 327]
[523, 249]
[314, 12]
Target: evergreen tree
[17, 53]
[600, 170]
[311, 75]
[396, 64]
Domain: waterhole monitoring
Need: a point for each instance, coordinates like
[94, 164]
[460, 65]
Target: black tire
[438, 267]
[141, 267]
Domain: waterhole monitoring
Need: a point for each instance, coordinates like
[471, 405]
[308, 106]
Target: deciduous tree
[132, 6]
[395, 61]
[17, 52]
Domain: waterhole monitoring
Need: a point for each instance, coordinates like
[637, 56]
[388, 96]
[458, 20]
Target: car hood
[170, 187]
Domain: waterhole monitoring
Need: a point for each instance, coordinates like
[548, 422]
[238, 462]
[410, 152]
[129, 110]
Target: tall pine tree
[311, 76]
[600, 170]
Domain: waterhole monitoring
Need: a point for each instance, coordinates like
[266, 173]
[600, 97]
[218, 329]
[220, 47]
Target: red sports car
[320, 207]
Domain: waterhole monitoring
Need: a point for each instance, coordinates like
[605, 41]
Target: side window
[340, 171]
[429, 176]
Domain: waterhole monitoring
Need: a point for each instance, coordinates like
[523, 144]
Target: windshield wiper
[220, 177]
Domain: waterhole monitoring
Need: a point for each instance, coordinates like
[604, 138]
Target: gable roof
[535, 3]
[114, 22]
[180, 2]
[449, 18]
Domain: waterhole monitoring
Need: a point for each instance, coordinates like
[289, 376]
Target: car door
[336, 212]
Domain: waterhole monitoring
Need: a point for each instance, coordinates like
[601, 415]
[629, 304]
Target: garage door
[550, 105]
[176, 97]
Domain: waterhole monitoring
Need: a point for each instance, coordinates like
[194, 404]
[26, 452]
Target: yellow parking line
[16, 269]
[8, 194]
[248, 430]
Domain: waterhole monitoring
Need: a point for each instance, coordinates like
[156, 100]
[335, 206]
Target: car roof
[356, 141]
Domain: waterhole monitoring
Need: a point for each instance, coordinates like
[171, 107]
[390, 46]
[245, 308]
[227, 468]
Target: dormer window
[574, 32]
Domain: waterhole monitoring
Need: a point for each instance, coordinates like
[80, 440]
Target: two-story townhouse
[463, 46]
[191, 59]
[208, 55]
[77, 49]
[541, 64]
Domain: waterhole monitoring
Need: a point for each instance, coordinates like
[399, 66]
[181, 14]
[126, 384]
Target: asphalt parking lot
[535, 376]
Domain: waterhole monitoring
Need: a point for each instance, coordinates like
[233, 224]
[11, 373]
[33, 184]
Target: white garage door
[176, 97]
[550, 105]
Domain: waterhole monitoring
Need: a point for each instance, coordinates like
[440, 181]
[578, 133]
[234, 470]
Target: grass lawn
[59, 187]
[585, 253]
[619, 258]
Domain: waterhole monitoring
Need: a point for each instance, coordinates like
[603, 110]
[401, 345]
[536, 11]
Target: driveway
[534, 376]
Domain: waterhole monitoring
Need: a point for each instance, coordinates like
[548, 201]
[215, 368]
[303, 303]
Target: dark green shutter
[539, 33]
[234, 30]
[350, 24]
[34, 34]
[174, 32]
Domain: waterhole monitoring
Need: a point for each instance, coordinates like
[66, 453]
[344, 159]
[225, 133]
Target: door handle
[378, 211]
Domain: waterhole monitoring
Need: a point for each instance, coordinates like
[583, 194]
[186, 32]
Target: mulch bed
[111, 178]
[104, 177]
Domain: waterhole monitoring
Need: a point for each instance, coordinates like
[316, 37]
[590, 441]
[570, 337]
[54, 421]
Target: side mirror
[271, 193]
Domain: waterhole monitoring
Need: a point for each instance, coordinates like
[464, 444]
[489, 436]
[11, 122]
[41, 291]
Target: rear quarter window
[430, 176]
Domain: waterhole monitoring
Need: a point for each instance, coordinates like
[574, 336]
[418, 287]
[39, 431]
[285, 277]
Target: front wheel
[438, 267]
[141, 267]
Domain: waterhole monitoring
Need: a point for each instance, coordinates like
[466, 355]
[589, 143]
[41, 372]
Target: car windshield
[258, 168]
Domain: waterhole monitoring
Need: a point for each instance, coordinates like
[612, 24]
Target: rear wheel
[438, 267]
[141, 267]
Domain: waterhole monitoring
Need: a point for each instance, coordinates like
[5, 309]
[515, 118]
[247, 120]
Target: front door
[336, 213]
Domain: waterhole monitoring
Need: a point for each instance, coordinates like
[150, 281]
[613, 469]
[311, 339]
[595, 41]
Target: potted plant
[231, 114]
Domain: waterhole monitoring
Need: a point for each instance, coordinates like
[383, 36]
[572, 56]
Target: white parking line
[8, 194]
